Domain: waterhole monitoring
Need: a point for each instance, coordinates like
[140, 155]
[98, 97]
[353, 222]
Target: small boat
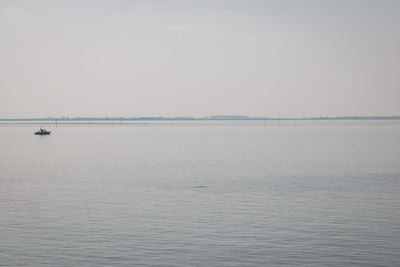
[42, 132]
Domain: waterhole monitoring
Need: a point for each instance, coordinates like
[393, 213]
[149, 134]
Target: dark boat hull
[42, 133]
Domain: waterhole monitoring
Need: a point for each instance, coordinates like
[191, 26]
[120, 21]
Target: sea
[200, 193]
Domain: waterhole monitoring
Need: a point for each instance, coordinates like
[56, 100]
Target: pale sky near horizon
[197, 58]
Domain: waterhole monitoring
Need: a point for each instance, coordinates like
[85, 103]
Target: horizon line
[213, 117]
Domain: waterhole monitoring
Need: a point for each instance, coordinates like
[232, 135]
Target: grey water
[201, 194]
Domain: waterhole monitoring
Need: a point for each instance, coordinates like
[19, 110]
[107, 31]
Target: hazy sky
[199, 58]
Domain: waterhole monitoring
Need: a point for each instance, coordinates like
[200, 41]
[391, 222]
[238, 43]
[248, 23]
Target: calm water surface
[201, 194]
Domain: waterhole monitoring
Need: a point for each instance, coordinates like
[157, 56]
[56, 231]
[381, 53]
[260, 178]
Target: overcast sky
[199, 58]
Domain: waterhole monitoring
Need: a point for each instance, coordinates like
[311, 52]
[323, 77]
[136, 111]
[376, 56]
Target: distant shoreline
[210, 118]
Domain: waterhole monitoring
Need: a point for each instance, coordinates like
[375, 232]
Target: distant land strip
[209, 118]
